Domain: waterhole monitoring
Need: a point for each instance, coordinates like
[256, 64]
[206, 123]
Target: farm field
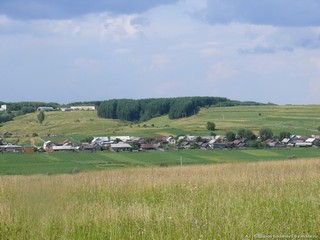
[301, 119]
[245, 200]
[58, 163]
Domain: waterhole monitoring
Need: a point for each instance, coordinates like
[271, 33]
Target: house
[192, 138]
[161, 139]
[185, 145]
[239, 143]
[84, 108]
[11, 148]
[120, 147]
[274, 143]
[171, 140]
[218, 145]
[208, 138]
[102, 141]
[150, 146]
[90, 147]
[180, 138]
[285, 141]
[66, 109]
[64, 148]
[310, 140]
[47, 146]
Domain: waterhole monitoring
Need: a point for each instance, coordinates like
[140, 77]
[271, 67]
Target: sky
[85, 50]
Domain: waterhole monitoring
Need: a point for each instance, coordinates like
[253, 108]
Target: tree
[246, 133]
[41, 116]
[231, 136]
[211, 126]
[265, 133]
[284, 134]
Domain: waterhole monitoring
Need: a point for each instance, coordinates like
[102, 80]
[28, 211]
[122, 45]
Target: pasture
[58, 163]
[245, 200]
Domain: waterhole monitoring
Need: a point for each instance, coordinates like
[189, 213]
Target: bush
[211, 126]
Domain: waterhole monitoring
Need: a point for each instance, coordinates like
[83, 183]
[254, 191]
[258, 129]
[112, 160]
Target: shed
[29, 149]
[119, 147]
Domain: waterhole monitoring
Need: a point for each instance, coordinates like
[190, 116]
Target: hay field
[225, 201]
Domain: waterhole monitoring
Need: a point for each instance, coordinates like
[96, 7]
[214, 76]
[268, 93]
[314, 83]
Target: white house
[3, 108]
[101, 141]
[171, 140]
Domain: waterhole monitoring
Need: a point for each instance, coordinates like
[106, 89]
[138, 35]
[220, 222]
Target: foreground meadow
[225, 201]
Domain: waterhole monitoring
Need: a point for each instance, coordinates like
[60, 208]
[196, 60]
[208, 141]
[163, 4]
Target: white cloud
[165, 51]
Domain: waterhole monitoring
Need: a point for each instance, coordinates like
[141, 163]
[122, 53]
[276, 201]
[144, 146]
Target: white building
[101, 141]
[4, 107]
[90, 108]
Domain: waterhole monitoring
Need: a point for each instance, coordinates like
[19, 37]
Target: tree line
[145, 109]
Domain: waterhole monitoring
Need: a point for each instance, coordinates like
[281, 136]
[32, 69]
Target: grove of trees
[145, 109]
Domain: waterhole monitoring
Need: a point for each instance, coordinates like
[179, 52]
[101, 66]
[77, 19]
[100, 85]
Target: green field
[78, 125]
[221, 194]
[276, 199]
[54, 163]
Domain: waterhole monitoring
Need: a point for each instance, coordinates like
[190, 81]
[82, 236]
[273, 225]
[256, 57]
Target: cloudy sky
[82, 50]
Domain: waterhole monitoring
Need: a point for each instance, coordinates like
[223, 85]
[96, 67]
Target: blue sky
[81, 50]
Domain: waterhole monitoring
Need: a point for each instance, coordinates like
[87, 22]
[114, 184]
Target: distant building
[86, 108]
[11, 148]
[46, 109]
[3, 108]
[101, 141]
[66, 109]
[119, 147]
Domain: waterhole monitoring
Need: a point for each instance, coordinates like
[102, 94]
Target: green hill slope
[302, 120]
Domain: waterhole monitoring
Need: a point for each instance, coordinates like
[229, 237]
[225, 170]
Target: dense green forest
[145, 109]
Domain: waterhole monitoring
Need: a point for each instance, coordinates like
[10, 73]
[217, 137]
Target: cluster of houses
[162, 143]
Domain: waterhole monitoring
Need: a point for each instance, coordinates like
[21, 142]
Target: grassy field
[57, 163]
[303, 120]
[278, 199]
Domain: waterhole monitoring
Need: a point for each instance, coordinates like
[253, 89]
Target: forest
[145, 109]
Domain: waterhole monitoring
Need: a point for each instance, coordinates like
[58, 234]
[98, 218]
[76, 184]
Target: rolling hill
[76, 125]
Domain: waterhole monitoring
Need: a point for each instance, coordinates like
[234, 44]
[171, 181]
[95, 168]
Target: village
[160, 143]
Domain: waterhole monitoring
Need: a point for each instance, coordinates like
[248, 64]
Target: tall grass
[227, 201]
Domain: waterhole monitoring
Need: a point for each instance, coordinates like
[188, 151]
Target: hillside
[302, 120]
